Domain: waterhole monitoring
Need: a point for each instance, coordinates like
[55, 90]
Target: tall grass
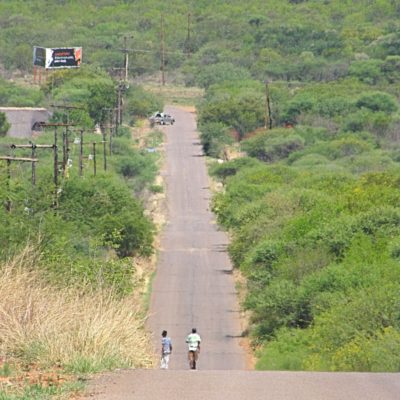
[79, 330]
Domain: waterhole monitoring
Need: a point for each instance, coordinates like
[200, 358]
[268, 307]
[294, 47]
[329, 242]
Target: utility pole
[94, 158]
[104, 141]
[112, 130]
[162, 52]
[126, 51]
[111, 125]
[55, 154]
[119, 104]
[188, 44]
[33, 156]
[81, 153]
[126, 59]
[65, 147]
[268, 119]
[55, 168]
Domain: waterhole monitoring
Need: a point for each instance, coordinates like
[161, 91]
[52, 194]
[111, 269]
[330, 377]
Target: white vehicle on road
[161, 119]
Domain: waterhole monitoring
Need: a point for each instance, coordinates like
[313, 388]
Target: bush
[106, 207]
[139, 169]
[4, 124]
[12, 95]
[124, 132]
[88, 87]
[310, 160]
[270, 147]
[273, 308]
[370, 353]
[365, 313]
[217, 73]
[378, 101]
[391, 68]
[368, 71]
[140, 103]
[230, 168]
[287, 352]
[297, 106]
[214, 137]
[239, 106]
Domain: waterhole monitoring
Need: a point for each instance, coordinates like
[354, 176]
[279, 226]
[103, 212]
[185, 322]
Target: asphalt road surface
[246, 385]
[194, 288]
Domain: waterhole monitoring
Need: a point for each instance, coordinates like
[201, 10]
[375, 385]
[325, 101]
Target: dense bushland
[314, 224]
[312, 209]
[318, 249]
[279, 40]
[97, 224]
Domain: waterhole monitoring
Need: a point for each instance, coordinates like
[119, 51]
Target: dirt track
[194, 287]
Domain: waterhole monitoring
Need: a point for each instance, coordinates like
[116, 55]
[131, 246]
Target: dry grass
[48, 326]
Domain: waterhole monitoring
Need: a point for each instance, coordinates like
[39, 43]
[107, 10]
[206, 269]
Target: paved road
[246, 385]
[193, 285]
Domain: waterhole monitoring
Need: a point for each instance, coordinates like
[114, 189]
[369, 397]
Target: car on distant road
[161, 119]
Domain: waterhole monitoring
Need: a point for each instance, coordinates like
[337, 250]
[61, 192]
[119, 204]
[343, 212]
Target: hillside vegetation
[312, 205]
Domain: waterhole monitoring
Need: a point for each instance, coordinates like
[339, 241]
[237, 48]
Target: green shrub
[263, 256]
[372, 161]
[365, 313]
[370, 353]
[391, 68]
[378, 101]
[230, 168]
[270, 148]
[287, 352]
[88, 87]
[310, 160]
[214, 137]
[140, 103]
[300, 104]
[12, 95]
[238, 106]
[139, 169]
[273, 308]
[368, 71]
[220, 72]
[4, 124]
[107, 208]
[124, 132]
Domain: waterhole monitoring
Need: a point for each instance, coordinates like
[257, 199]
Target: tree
[4, 124]
[378, 101]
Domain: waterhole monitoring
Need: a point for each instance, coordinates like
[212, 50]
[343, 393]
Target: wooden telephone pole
[268, 119]
[188, 39]
[162, 52]
[126, 58]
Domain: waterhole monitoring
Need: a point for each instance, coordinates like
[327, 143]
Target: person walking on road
[193, 340]
[166, 349]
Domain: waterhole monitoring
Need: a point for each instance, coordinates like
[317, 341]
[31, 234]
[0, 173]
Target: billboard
[39, 56]
[62, 57]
